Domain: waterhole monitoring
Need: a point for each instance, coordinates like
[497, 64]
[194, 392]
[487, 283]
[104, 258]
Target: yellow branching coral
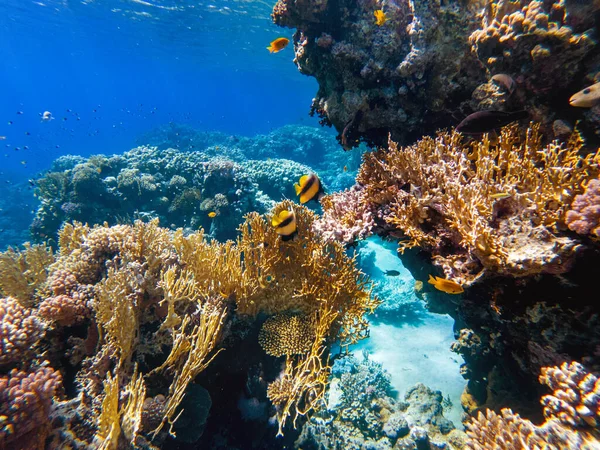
[22, 272]
[287, 334]
[301, 275]
[117, 310]
[477, 204]
[107, 436]
[191, 354]
[301, 386]
[115, 422]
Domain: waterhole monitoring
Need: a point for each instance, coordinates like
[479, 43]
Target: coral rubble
[143, 312]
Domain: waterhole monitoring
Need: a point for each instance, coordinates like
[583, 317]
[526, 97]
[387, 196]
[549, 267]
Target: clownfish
[447, 286]
[278, 44]
[285, 224]
[309, 188]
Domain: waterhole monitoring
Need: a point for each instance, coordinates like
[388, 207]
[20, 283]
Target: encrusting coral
[159, 307]
[480, 206]
[571, 416]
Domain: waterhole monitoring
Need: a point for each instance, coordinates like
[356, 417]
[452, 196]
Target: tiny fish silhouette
[392, 273]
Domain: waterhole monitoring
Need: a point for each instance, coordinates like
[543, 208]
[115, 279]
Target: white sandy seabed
[412, 351]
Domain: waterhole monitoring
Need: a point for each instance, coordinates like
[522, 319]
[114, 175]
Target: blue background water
[111, 70]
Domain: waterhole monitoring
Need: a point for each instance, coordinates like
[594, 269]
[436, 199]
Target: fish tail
[270, 49]
[431, 280]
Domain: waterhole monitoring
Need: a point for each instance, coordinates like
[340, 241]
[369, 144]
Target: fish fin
[270, 48]
[303, 180]
[320, 196]
[431, 280]
[297, 188]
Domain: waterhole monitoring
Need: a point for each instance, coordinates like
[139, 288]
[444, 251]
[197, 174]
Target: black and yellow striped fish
[309, 188]
[285, 224]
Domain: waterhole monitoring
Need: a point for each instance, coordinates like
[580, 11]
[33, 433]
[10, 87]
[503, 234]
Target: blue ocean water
[111, 70]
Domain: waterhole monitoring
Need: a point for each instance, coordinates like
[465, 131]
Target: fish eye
[587, 91]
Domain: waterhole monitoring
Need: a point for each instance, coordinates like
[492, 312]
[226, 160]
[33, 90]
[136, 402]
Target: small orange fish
[380, 17]
[278, 44]
[345, 168]
[212, 214]
[447, 286]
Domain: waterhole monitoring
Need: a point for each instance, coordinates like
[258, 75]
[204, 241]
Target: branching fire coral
[571, 414]
[159, 306]
[475, 205]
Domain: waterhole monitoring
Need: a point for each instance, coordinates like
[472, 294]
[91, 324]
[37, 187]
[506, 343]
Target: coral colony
[127, 325]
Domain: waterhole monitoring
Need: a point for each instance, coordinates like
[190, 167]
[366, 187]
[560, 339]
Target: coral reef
[152, 319]
[432, 63]
[181, 184]
[571, 414]
[478, 207]
[401, 77]
[362, 413]
[543, 45]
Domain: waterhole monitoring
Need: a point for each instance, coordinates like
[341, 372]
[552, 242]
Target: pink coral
[347, 216]
[584, 217]
[20, 329]
[71, 301]
[25, 403]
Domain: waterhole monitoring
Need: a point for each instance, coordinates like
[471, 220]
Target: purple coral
[584, 217]
[347, 216]
[25, 403]
[20, 329]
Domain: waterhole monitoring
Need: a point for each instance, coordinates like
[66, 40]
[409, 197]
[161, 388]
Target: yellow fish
[380, 17]
[499, 195]
[212, 214]
[447, 286]
[586, 98]
[278, 44]
[309, 188]
[285, 224]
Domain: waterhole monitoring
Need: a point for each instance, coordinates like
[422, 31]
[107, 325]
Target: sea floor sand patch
[411, 343]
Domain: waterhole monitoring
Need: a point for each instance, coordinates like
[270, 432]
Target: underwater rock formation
[402, 77]
[432, 63]
[362, 413]
[142, 327]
